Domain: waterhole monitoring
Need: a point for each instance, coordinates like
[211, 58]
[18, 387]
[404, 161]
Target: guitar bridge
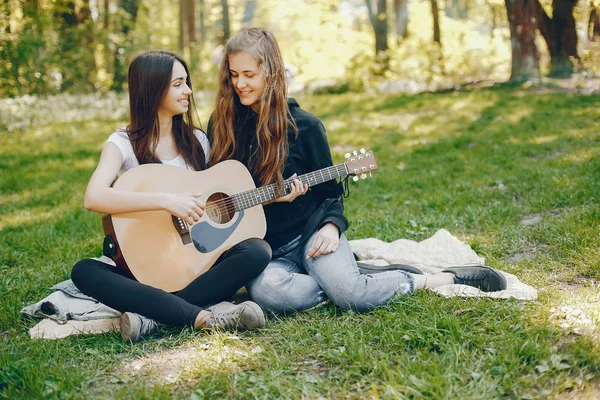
[182, 228]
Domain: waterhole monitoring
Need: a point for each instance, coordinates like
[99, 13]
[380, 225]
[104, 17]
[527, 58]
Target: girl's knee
[257, 252]
[78, 272]
[269, 290]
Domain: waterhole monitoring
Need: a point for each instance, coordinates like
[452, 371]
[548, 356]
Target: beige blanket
[433, 255]
[48, 329]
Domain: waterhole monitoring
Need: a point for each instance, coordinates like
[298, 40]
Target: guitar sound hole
[220, 208]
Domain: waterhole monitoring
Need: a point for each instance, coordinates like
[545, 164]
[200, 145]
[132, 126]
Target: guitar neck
[251, 198]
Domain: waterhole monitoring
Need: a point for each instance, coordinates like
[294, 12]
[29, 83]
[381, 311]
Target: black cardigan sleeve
[318, 154]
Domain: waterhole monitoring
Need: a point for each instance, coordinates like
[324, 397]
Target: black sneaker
[483, 278]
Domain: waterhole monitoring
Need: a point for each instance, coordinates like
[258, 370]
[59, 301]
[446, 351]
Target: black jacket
[308, 152]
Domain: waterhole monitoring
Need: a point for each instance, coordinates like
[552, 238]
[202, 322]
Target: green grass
[475, 163]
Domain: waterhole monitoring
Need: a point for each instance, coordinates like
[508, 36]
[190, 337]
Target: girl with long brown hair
[162, 129]
[254, 122]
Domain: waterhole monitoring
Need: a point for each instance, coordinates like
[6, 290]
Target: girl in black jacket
[256, 124]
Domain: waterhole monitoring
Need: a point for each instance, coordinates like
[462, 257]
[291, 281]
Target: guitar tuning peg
[363, 151]
[370, 173]
[347, 155]
[355, 178]
[355, 152]
[363, 176]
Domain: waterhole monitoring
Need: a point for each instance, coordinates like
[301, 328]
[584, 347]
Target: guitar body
[162, 251]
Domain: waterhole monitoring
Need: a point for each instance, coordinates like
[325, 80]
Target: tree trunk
[226, 27]
[68, 16]
[5, 10]
[68, 44]
[457, 9]
[594, 24]
[248, 13]
[378, 19]
[201, 18]
[523, 24]
[401, 13]
[560, 36]
[191, 21]
[436, 22]
[86, 39]
[106, 14]
[108, 62]
[129, 16]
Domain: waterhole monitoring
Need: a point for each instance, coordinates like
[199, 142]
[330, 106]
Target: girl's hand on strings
[297, 188]
[326, 241]
[186, 206]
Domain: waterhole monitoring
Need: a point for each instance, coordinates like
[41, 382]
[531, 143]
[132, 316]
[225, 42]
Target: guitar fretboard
[253, 197]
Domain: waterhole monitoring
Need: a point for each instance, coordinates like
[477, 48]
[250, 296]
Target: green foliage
[476, 163]
[471, 50]
[50, 46]
[44, 51]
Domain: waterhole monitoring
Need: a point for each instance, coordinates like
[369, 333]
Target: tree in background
[52, 46]
[226, 32]
[249, 8]
[594, 23]
[379, 21]
[457, 9]
[76, 30]
[560, 35]
[437, 36]
[522, 19]
[126, 22]
[187, 24]
[26, 56]
[401, 19]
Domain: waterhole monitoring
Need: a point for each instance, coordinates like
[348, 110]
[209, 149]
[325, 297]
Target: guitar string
[287, 184]
[229, 202]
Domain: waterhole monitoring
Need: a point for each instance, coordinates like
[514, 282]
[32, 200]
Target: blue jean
[294, 283]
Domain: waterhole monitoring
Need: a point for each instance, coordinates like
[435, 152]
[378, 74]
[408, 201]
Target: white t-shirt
[121, 139]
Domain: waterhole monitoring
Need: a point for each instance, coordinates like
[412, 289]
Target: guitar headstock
[360, 163]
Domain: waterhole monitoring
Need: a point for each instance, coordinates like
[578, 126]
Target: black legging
[115, 288]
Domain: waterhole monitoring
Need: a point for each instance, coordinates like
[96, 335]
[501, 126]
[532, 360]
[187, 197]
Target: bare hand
[326, 241]
[296, 189]
[186, 206]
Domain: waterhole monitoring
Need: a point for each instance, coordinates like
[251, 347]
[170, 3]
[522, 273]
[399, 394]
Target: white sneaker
[133, 326]
[243, 316]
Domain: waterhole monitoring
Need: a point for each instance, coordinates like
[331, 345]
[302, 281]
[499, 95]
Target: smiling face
[176, 101]
[247, 79]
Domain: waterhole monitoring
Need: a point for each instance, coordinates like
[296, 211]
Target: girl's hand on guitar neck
[186, 206]
[296, 189]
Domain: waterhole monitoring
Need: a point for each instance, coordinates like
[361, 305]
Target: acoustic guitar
[163, 251]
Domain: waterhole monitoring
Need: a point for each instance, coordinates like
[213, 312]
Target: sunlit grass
[512, 173]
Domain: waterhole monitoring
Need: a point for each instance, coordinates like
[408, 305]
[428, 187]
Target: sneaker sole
[126, 331]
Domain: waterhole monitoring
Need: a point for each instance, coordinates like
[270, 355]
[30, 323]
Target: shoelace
[476, 282]
[148, 325]
[227, 320]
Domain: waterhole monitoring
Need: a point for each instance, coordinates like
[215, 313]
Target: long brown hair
[271, 129]
[149, 80]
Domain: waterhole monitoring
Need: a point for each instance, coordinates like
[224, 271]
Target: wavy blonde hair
[268, 161]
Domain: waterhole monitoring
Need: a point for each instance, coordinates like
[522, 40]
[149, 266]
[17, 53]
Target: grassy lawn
[514, 173]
